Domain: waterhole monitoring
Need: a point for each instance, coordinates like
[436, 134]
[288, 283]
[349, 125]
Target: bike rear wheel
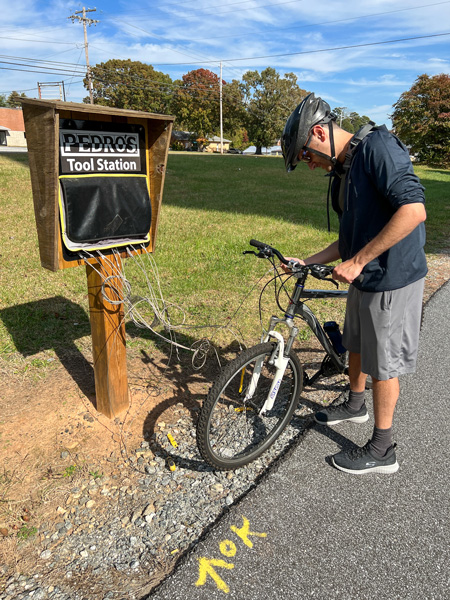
[231, 432]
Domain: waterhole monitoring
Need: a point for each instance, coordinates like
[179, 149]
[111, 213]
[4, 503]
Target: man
[380, 203]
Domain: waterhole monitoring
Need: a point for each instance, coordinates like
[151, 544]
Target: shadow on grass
[247, 186]
[18, 157]
[260, 186]
[53, 324]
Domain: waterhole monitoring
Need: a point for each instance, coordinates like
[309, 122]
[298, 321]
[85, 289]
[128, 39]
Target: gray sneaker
[336, 413]
[361, 460]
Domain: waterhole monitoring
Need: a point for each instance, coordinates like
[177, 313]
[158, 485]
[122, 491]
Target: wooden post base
[108, 340]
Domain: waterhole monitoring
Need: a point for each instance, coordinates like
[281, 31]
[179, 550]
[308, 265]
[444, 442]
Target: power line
[40, 69]
[202, 58]
[332, 49]
[333, 22]
[3, 37]
[178, 4]
[38, 60]
[73, 71]
[420, 37]
[60, 68]
[202, 10]
[71, 81]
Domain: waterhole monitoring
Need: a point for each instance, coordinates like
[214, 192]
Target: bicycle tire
[230, 431]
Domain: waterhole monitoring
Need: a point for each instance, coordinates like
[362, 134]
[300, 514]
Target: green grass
[26, 532]
[437, 193]
[212, 207]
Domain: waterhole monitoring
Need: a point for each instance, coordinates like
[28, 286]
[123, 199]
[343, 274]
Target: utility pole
[221, 111]
[84, 20]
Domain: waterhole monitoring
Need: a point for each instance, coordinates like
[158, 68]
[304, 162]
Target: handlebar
[268, 251]
[316, 270]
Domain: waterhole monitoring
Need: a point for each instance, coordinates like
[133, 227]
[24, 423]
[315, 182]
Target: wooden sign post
[108, 340]
[83, 142]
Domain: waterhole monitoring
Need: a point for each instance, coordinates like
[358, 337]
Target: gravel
[119, 535]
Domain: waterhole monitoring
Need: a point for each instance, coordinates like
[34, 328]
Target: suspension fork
[280, 354]
[279, 358]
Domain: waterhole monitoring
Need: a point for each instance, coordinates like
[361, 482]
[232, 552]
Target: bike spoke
[236, 427]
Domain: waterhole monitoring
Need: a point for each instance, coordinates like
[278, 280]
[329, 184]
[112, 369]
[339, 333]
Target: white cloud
[365, 79]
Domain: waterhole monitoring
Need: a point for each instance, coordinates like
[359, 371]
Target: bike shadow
[188, 390]
[180, 408]
[318, 389]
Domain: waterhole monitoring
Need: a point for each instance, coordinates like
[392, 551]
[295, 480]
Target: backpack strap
[358, 137]
[342, 170]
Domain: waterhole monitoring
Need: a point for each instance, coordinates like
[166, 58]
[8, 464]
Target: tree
[196, 102]
[421, 118]
[268, 100]
[130, 84]
[233, 113]
[239, 138]
[351, 122]
[3, 101]
[13, 99]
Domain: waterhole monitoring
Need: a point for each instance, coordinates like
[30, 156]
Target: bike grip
[257, 244]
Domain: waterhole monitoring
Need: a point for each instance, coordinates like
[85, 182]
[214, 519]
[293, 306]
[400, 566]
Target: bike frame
[280, 356]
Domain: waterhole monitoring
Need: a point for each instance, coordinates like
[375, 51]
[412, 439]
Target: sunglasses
[304, 156]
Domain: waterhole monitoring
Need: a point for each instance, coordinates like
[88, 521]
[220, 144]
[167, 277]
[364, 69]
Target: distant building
[214, 144]
[274, 150]
[182, 137]
[12, 128]
[190, 141]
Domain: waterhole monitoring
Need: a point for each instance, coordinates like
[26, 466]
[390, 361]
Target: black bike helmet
[311, 111]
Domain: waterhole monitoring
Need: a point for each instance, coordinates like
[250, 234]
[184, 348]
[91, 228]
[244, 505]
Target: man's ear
[319, 132]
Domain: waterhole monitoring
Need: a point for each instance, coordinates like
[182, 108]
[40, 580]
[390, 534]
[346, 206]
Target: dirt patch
[51, 436]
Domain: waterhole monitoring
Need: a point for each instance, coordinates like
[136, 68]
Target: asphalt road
[311, 531]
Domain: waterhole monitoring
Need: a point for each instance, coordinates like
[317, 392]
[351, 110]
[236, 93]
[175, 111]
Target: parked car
[234, 151]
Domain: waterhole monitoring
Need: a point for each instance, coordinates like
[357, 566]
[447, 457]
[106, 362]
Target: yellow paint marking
[206, 567]
[244, 532]
[228, 548]
[171, 440]
[242, 408]
[241, 385]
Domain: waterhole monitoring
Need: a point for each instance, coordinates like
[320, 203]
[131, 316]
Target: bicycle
[256, 394]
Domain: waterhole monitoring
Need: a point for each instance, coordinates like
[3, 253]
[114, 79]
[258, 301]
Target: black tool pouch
[99, 212]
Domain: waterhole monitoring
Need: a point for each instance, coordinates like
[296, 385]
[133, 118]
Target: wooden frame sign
[97, 176]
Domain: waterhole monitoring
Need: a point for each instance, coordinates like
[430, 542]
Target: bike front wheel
[231, 431]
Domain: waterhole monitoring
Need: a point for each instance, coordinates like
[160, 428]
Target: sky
[359, 55]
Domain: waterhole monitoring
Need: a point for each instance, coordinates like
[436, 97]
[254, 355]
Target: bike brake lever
[320, 272]
[257, 254]
[332, 281]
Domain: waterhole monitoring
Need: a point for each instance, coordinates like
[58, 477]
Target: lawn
[212, 207]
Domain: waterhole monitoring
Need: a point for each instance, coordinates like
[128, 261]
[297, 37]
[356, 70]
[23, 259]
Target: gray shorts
[384, 328]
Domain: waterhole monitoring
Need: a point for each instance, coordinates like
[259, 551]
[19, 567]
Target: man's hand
[286, 269]
[347, 271]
